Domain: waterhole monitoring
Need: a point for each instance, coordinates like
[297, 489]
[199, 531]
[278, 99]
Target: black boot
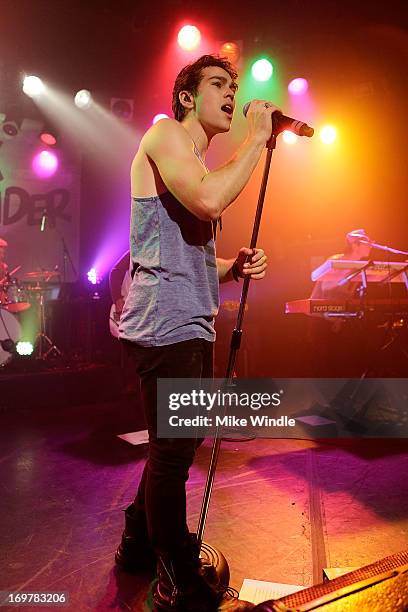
[179, 589]
[134, 552]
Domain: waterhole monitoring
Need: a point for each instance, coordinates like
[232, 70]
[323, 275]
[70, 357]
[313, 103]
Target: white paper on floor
[257, 591]
[135, 437]
[334, 572]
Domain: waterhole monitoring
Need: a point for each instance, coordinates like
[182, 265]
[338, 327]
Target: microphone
[280, 123]
[383, 247]
[362, 238]
[43, 219]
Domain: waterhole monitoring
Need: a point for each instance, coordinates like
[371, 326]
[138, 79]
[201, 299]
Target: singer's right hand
[259, 118]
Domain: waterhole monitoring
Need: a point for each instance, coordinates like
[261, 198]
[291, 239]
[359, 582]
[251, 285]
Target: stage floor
[281, 509]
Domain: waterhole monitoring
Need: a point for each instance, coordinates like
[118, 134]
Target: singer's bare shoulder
[166, 161]
[170, 147]
[164, 134]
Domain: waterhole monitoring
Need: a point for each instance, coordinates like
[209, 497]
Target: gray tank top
[174, 291]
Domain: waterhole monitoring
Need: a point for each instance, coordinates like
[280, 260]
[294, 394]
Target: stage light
[289, 137]
[10, 129]
[83, 99]
[48, 139]
[45, 164]
[298, 86]
[24, 348]
[189, 37]
[122, 108]
[328, 134]
[33, 86]
[262, 70]
[231, 50]
[93, 276]
[159, 116]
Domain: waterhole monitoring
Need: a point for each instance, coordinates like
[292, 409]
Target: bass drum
[16, 298]
[10, 329]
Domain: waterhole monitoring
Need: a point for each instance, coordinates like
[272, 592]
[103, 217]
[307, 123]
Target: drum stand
[42, 338]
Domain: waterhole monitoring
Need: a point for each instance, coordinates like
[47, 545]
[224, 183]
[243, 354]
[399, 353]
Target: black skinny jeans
[160, 502]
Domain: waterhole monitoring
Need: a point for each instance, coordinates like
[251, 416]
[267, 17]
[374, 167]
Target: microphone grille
[245, 109]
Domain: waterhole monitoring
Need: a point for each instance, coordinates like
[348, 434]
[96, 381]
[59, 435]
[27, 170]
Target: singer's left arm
[249, 262]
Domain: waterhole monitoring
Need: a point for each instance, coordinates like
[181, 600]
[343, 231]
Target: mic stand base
[52, 348]
[42, 336]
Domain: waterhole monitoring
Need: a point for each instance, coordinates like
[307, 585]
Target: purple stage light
[298, 86]
[93, 276]
[45, 164]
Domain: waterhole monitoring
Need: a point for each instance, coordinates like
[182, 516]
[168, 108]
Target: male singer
[167, 322]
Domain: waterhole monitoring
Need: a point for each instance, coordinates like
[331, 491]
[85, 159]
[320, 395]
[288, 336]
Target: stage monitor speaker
[379, 587]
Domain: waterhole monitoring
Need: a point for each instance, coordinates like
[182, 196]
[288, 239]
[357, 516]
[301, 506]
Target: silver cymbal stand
[42, 337]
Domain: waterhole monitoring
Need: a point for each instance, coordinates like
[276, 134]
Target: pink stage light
[159, 116]
[298, 87]
[45, 164]
[48, 139]
[189, 37]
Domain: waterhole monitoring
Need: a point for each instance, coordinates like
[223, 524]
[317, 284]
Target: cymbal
[15, 307]
[42, 274]
[43, 288]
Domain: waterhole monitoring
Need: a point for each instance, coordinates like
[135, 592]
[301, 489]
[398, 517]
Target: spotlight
[189, 37]
[24, 348]
[45, 164]
[159, 116]
[122, 108]
[10, 129]
[262, 70]
[232, 50]
[93, 276]
[298, 86]
[33, 86]
[48, 139]
[328, 134]
[83, 99]
[289, 137]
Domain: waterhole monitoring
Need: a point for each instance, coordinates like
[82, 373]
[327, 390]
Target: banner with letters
[39, 212]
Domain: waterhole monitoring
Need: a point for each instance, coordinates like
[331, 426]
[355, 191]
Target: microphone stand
[235, 341]
[66, 258]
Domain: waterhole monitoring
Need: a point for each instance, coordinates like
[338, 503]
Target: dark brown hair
[189, 79]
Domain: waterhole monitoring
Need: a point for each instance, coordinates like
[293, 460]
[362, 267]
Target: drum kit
[15, 298]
